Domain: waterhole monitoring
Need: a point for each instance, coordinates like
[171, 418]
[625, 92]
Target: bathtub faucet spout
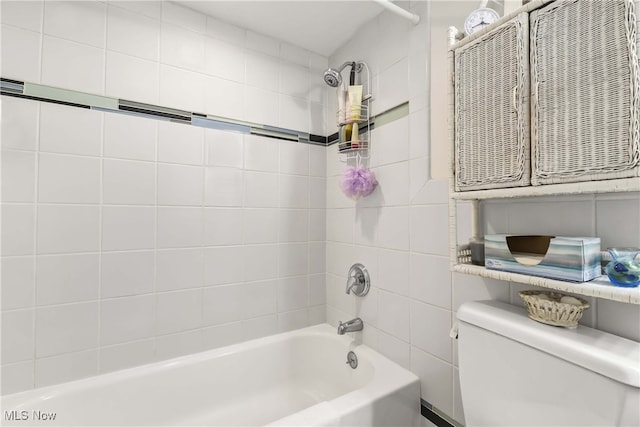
[352, 325]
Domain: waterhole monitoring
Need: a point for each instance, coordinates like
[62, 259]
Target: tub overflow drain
[352, 360]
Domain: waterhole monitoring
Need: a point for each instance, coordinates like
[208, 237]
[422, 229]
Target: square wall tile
[619, 319]
[178, 311]
[20, 54]
[557, 218]
[66, 328]
[430, 229]
[66, 367]
[318, 160]
[64, 279]
[293, 191]
[180, 143]
[184, 17]
[224, 264]
[179, 185]
[19, 123]
[317, 289]
[132, 33]
[610, 214]
[182, 48]
[430, 280]
[292, 225]
[473, 288]
[71, 65]
[17, 336]
[394, 315]
[293, 293]
[293, 320]
[68, 179]
[436, 379]
[18, 282]
[27, 15]
[178, 269]
[262, 71]
[70, 130]
[261, 153]
[19, 376]
[114, 358]
[129, 137]
[18, 176]
[179, 227]
[224, 148]
[294, 158]
[260, 190]
[128, 183]
[263, 265]
[223, 186]
[394, 349]
[127, 319]
[18, 229]
[224, 98]
[89, 20]
[180, 344]
[259, 299]
[224, 60]
[222, 304]
[260, 105]
[393, 228]
[259, 327]
[182, 89]
[393, 271]
[127, 273]
[293, 259]
[133, 78]
[127, 228]
[221, 336]
[430, 328]
[223, 226]
[261, 225]
[68, 228]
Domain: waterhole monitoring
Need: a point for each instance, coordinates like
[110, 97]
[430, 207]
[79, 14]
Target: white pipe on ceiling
[388, 4]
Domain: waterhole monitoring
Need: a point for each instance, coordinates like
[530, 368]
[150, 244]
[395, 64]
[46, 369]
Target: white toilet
[518, 372]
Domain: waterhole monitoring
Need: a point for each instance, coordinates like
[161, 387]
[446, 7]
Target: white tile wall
[400, 232]
[127, 240]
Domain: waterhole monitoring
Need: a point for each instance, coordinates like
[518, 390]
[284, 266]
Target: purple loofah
[357, 182]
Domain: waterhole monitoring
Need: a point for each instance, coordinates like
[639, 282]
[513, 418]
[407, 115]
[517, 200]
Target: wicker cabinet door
[491, 109]
[585, 98]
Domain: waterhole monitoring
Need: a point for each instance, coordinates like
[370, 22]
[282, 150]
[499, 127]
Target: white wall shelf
[589, 187]
[599, 288]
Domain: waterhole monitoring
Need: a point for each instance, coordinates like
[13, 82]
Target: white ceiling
[318, 26]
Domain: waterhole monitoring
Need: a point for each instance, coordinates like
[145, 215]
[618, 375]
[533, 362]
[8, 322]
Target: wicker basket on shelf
[546, 307]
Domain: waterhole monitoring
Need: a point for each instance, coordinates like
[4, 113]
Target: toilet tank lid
[609, 355]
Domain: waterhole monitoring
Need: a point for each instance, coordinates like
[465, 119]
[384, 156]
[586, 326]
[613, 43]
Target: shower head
[332, 76]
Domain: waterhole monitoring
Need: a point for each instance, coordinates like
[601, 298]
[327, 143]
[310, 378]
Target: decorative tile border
[26, 90]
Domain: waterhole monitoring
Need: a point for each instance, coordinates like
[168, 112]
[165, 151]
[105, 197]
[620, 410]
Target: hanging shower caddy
[356, 150]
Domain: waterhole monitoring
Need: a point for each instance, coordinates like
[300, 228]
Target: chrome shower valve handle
[358, 280]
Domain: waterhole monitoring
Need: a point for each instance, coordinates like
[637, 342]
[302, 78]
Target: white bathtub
[297, 378]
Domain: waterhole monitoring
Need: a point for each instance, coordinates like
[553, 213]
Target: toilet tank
[518, 372]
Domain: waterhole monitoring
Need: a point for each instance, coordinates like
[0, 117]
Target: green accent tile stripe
[69, 96]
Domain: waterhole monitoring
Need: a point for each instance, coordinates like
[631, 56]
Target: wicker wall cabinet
[585, 97]
[492, 109]
[545, 102]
